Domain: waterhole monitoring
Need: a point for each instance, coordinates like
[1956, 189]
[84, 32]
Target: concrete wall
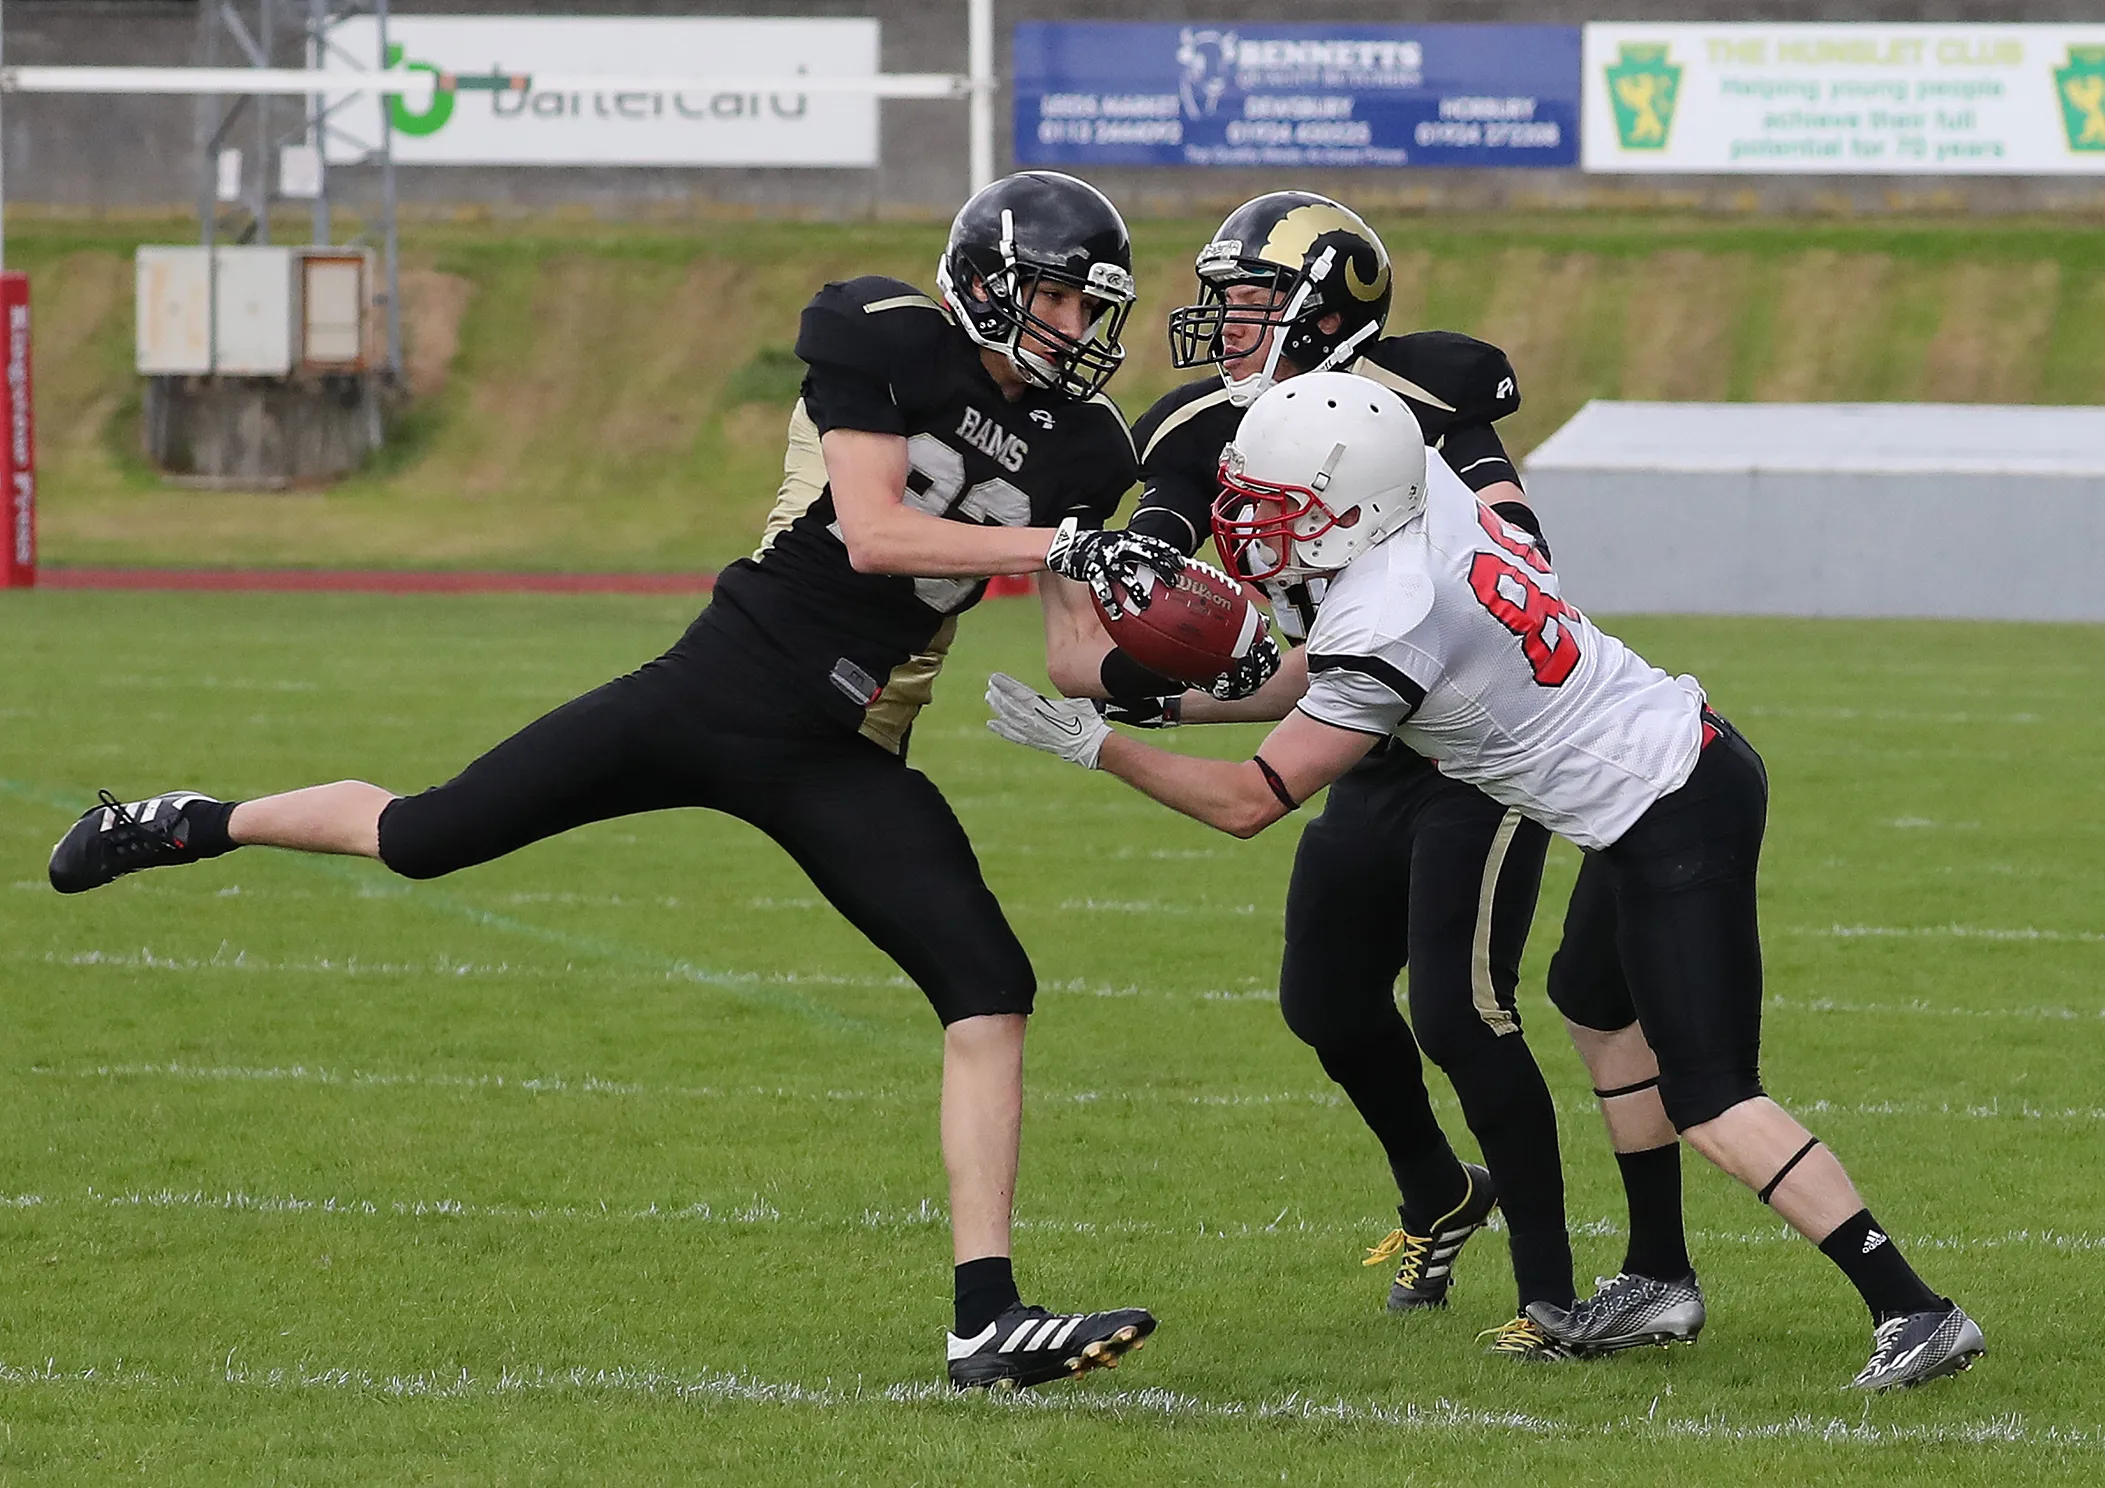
[104, 154]
[1827, 545]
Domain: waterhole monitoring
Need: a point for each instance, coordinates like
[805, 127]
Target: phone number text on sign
[1135, 94]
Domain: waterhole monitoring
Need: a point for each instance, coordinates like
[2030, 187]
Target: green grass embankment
[594, 397]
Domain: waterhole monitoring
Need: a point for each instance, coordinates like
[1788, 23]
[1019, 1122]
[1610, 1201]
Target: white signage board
[1844, 99]
[632, 126]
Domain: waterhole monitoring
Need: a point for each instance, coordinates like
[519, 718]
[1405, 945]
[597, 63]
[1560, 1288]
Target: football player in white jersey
[1443, 626]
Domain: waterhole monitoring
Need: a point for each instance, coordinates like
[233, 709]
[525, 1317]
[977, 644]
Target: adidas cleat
[1028, 1346]
[1920, 1346]
[1526, 1340]
[1427, 1268]
[114, 839]
[1625, 1312]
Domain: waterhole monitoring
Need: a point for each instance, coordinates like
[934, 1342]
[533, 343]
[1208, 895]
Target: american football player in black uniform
[938, 441]
[1404, 869]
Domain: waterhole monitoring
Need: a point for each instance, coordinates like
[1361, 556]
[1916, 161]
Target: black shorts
[1662, 932]
[711, 724]
[1406, 867]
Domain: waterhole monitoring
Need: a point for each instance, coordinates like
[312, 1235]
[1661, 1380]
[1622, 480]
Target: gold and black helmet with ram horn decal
[1315, 259]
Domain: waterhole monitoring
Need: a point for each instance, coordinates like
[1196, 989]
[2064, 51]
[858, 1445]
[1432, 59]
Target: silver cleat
[1625, 1312]
[1921, 1346]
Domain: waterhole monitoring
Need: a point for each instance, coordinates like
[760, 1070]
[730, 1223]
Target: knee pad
[1593, 1000]
[414, 845]
[1325, 1023]
[1453, 1033]
[1694, 1097]
[954, 1001]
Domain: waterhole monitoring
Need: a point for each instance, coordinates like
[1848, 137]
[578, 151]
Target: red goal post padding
[18, 445]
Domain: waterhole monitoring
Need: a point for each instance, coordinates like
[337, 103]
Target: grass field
[615, 1161]
[614, 396]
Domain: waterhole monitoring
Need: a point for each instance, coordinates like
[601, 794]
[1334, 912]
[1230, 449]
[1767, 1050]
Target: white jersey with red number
[1450, 635]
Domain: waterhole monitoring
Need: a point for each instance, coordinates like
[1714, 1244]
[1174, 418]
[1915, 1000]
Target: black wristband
[1271, 778]
[1521, 515]
[1123, 677]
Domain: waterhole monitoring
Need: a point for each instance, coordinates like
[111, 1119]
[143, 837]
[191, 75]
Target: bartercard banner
[1288, 95]
[649, 124]
[1846, 99]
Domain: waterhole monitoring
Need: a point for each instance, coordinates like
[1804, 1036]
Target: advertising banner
[1128, 93]
[18, 443]
[640, 126]
[1846, 99]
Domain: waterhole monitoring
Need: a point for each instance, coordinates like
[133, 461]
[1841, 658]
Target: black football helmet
[1024, 230]
[1318, 259]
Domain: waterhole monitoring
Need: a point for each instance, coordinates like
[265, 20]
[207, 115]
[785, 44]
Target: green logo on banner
[433, 118]
[1643, 86]
[2081, 88]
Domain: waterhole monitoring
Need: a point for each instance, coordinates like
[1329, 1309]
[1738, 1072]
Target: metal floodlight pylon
[304, 26]
[259, 81]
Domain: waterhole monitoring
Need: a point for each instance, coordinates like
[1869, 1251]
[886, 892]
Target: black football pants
[1662, 932]
[705, 726]
[1408, 869]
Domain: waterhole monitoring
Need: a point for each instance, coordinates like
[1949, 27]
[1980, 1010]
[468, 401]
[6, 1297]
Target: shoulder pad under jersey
[1185, 418]
[1447, 378]
[872, 325]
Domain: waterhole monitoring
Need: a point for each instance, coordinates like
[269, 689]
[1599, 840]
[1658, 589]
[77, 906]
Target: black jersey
[1457, 386]
[880, 355]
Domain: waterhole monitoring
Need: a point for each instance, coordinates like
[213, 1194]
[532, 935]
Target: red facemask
[1255, 523]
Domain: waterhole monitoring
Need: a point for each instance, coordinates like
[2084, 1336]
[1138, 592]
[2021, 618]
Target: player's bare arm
[1270, 703]
[884, 535]
[1241, 798]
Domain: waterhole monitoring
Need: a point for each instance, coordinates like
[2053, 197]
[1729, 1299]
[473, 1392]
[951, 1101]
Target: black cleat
[1028, 1346]
[1920, 1346]
[1427, 1268]
[114, 839]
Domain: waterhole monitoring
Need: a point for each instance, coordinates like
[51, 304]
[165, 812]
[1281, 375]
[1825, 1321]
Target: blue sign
[1124, 93]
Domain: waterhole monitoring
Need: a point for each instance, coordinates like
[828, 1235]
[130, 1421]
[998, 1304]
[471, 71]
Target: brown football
[1196, 626]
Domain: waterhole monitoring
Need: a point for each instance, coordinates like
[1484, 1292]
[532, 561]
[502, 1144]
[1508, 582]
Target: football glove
[1247, 675]
[1110, 562]
[1145, 712]
[1069, 727]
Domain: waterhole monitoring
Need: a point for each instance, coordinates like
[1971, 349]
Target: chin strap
[1243, 391]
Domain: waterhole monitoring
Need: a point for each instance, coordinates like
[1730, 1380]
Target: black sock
[1877, 1269]
[207, 821]
[986, 1288]
[1652, 1185]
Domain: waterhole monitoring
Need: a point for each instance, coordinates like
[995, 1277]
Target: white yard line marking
[758, 1210]
[1996, 1108]
[712, 1386]
[2021, 933]
[229, 958]
[1916, 1008]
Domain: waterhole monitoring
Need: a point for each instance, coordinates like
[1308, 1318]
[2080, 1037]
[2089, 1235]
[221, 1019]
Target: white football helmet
[1323, 467]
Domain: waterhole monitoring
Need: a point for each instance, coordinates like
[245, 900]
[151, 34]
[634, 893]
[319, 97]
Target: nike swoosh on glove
[1256, 668]
[1110, 563]
[1068, 727]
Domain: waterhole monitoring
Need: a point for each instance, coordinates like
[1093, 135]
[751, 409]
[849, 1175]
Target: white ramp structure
[1961, 511]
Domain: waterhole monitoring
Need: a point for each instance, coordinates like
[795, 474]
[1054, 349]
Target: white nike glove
[1068, 727]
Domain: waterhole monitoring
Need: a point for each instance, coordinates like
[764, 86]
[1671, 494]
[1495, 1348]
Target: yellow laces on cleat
[1522, 1338]
[1386, 1251]
[1416, 1250]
